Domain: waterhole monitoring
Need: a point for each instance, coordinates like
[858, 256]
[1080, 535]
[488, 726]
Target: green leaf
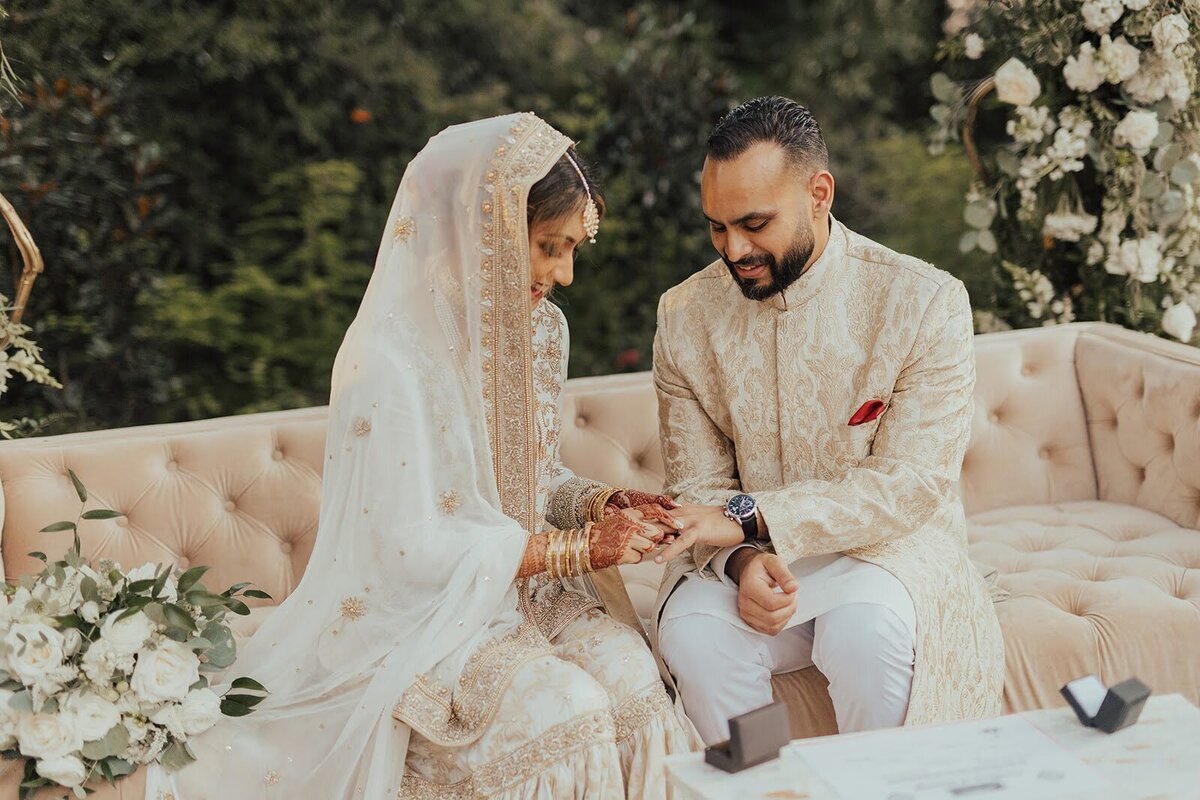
[944, 89]
[968, 242]
[248, 683]
[248, 700]
[102, 513]
[232, 709]
[232, 590]
[119, 767]
[87, 588]
[176, 757]
[115, 741]
[178, 617]
[200, 597]
[1167, 157]
[1166, 132]
[1153, 186]
[259, 593]
[188, 579]
[238, 607]
[79, 488]
[140, 586]
[198, 643]
[135, 605]
[21, 701]
[987, 242]
[1008, 163]
[161, 582]
[79, 792]
[1184, 173]
[979, 215]
[55, 527]
[38, 554]
[224, 649]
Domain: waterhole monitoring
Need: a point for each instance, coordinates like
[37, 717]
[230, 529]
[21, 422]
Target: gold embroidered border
[453, 720]
[507, 339]
[553, 612]
[639, 709]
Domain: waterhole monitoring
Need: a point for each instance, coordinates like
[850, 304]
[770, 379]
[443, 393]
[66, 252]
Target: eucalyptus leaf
[259, 593]
[1184, 173]
[1008, 163]
[119, 767]
[176, 757]
[55, 527]
[238, 607]
[198, 644]
[79, 487]
[969, 241]
[102, 513]
[38, 554]
[88, 590]
[1169, 208]
[224, 649]
[943, 88]
[115, 741]
[1167, 157]
[987, 242]
[1153, 186]
[979, 215]
[140, 586]
[79, 792]
[188, 579]
[1166, 132]
[21, 701]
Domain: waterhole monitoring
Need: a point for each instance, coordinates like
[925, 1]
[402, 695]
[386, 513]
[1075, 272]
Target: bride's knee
[559, 690]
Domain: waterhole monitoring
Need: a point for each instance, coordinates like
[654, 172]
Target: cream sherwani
[756, 396]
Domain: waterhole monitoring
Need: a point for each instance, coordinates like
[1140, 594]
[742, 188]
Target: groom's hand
[766, 592]
[701, 525]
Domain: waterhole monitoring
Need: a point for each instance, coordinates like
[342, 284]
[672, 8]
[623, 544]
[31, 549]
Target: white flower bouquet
[102, 670]
[1088, 155]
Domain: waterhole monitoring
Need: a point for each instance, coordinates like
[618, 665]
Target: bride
[447, 640]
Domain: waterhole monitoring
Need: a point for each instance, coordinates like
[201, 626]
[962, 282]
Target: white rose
[9, 718]
[64, 770]
[201, 710]
[169, 717]
[137, 727]
[1016, 83]
[90, 611]
[127, 636]
[48, 735]
[72, 641]
[1099, 15]
[33, 650]
[1142, 258]
[166, 673]
[1138, 129]
[94, 716]
[1170, 31]
[1118, 59]
[1180, 321]
[974, 45]
[1081, 71]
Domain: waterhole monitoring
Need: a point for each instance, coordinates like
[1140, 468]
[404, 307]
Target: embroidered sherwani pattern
[756, 396]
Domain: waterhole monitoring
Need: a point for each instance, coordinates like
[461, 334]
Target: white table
[1158, 758]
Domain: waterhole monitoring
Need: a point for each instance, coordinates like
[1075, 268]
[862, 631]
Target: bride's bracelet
[567, 553]
[594, 511]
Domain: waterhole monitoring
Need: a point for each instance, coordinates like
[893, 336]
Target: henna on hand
[632, 498]
[610, 539]
[656, 513]
[534, 560]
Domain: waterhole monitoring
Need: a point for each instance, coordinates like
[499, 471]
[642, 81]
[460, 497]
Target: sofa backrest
[1142, 396]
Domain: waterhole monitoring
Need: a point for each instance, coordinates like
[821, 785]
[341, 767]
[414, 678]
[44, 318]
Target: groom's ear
[821, 190]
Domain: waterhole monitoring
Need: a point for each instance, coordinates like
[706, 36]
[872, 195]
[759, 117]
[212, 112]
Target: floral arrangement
[1089, 187]
[102, 670]
[19, 355]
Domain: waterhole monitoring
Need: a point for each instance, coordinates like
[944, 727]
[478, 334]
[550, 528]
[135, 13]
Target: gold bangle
[579, 552]
[553, 542]
[569, 553]
[585, 548]
[595, 510]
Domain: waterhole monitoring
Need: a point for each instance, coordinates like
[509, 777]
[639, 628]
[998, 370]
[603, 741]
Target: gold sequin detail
[271, 778]
[404, 228]
[353, 608]
[449, 503]
[361, 426]
[166, 796]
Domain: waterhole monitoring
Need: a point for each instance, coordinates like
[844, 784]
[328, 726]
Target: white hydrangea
[1180, 321]
[1171, 30]
[1082, 72]
[1141, 259]
[1136, 5]
[1118, 59]
[973, 45]
[1138, 130]
[1016, 84]
[1031, 124]
[1067, 226]
[1099, 15]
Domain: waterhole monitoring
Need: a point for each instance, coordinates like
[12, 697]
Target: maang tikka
[591, 214]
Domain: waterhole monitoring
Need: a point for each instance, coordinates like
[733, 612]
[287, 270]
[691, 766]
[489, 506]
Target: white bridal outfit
[408, 662]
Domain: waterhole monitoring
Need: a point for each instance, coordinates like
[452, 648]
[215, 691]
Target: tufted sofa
[1082, 482]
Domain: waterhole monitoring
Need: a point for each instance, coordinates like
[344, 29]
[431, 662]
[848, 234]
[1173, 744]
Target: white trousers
[721, 670]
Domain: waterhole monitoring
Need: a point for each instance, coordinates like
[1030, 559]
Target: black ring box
[755, 738]
[1110, 709]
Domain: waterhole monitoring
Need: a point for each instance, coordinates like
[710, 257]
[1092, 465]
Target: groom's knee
[699, 647]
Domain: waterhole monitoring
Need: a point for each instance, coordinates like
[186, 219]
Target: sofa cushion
[1096, 587]
[1143, 409]
[1029, 441]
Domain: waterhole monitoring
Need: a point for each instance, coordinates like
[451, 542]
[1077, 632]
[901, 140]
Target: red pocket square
[867, 412]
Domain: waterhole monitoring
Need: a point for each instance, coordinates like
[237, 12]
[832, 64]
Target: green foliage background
[208, 181]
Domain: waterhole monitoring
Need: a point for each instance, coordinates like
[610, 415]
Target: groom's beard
[784, 272]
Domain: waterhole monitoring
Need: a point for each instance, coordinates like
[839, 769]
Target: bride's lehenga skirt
[590, 721]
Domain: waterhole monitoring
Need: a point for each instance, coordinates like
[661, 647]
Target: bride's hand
[621, 539]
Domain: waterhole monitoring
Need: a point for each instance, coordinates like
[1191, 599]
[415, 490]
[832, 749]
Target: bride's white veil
[428, 489]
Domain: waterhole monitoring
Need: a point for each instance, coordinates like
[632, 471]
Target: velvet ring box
[754, 738]
[1107, 709]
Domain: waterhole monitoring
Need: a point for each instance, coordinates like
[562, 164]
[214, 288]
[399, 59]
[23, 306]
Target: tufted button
[1026, 370]
[230, 505]
[994, 417]
[122, 522]
[1044, 454]
[286, 547]
[581, 421]
[183, 562]
[172, 465]
[1170, 445]
[277, 455]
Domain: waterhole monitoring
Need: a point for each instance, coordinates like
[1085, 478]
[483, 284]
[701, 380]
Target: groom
[815, 400]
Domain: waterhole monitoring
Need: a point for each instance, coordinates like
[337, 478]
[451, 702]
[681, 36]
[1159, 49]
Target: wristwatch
[742, 509]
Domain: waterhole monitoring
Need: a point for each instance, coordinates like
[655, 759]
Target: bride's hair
[561, 192]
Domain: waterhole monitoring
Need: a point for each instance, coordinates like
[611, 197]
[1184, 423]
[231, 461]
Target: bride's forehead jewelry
[591, 214]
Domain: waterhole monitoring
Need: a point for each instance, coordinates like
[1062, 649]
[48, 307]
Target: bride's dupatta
[428, 491]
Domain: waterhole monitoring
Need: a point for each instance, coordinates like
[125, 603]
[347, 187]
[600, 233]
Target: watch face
[741, 506]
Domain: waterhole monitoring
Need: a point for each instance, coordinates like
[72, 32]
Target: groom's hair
[770, 119]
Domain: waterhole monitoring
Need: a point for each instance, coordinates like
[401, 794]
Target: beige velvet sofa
[1082, 483]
